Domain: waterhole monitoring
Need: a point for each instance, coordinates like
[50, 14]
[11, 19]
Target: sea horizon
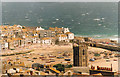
[97, 20]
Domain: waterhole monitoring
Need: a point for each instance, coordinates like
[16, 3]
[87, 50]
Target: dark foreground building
[80, 57]
[80, 54]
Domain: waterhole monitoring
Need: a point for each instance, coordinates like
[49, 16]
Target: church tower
[80, 54]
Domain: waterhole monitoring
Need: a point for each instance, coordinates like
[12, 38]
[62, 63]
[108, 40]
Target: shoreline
[111, 37]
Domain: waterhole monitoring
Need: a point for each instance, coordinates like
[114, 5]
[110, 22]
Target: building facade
[80, 54]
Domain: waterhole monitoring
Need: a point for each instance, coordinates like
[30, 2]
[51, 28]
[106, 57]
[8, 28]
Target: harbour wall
[104, 46]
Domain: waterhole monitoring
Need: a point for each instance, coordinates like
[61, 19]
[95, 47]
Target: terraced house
[20, 36]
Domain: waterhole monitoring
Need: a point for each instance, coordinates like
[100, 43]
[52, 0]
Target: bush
[68, 66]
[59, 67]
[23, 27]
[57, 42]
[105, 54]
[96, 54]
[110, 53]
[12, 49]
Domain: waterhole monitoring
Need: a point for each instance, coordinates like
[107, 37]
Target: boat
[92, 60]
[67, 59]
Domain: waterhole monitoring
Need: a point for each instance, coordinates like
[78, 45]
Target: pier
[104, 46]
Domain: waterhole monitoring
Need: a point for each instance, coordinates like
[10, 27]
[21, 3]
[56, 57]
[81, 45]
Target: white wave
[102, 18]
[87, 13]
[116, 39]
[104, 26]
[53, 22]
[115, 35]
[99, 24]
[97, 19]
[83, 14]
[57, 19]
[78, 23]
[72, 20]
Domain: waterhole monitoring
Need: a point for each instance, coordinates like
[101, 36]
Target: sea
[90, 19]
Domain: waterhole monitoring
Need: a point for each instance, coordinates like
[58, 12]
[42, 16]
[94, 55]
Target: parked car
[114, 59]
[67, 59]
[28, 59]
[34, 58]
[107, 60]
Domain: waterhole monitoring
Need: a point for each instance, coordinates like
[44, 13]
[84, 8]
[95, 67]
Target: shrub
[12, 49]
[69, 66]
[59, 67]
[96, 54]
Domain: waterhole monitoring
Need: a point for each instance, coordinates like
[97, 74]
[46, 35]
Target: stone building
[80, 54]
[80, 57]
[46, 33]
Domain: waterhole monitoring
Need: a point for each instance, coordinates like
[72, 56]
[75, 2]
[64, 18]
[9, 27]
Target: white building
[39, 28]
[66, 30]
[34, 40]
[19, 26]
[6, 45]
[35, 34]
[46, 40]
[70, 35]
[62, 37]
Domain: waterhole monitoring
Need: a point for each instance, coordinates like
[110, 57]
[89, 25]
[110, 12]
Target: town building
[62, 37]
[80, 57]
[39, 28]
[70, 35]
[66, 30]
[46, 40]
[21, 36]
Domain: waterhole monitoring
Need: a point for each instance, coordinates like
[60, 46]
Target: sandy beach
[56, 50]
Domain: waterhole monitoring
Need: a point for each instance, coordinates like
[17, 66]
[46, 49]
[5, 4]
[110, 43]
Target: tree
[68, 66]
[96, 54]
[59, 67]
[57, 42]
[110, 53]
[23, 27]
[105, 54]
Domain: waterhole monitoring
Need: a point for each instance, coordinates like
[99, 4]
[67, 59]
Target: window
[83, 52]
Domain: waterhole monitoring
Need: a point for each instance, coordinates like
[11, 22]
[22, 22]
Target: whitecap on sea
[83, 14]
[87, 13]
[41, 19]
[99, 24]
[72, 20]
[96, 19]
[57, 19]
[102, 18]
[38, 22]
[53, 22]
[78, 23]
